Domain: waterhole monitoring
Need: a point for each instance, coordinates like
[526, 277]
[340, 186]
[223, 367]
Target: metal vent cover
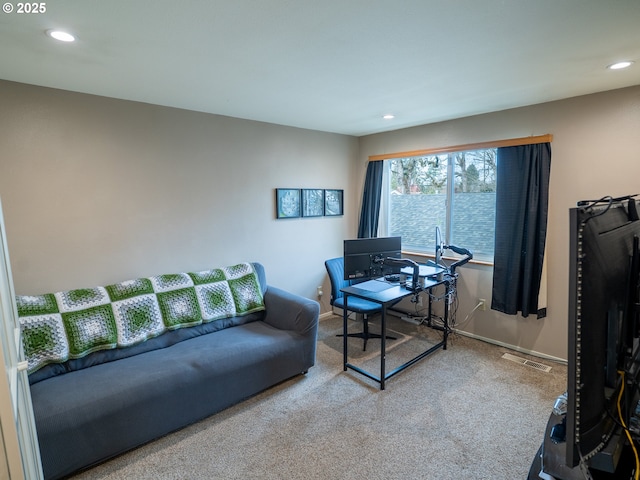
[528, 363]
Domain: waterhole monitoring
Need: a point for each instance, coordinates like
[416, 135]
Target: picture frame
[333, 202]
[288, 203]
[312, 202]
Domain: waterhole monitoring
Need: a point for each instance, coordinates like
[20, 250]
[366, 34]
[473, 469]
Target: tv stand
[614, 462]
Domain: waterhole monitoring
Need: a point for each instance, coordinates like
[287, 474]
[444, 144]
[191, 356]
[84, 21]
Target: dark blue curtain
[368, 227]
[522, 198]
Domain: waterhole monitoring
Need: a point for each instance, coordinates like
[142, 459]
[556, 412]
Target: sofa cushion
[87, 416]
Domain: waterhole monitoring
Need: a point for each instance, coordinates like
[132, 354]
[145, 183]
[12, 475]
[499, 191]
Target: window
[453, 191]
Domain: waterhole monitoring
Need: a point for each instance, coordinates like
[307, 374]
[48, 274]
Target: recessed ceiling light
[620, 65]
[61, 35]
[388, 116]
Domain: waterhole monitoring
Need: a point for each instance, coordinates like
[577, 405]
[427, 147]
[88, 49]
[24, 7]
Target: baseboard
[477, 337]
[511, 347]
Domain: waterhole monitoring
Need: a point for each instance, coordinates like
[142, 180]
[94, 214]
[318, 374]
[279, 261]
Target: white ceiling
[329, 65]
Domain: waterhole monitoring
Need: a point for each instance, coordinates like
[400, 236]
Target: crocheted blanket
[60, 326]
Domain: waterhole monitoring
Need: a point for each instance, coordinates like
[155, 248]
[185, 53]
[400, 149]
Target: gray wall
[97, 190]
[595, 152]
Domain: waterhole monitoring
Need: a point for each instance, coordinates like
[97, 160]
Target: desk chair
[362, 308]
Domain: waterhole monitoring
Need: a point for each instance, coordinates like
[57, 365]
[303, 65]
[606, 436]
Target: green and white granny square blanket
[65, 325]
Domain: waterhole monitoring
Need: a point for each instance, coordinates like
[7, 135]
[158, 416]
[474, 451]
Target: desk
[374, 291]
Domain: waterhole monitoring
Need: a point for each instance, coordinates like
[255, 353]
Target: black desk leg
[446, 315]
[344, 331]
[383, 346]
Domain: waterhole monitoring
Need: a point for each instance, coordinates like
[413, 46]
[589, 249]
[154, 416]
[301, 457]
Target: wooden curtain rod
[513, 142]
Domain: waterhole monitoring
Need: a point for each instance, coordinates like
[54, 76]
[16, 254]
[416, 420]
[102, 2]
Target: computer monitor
[363, 257]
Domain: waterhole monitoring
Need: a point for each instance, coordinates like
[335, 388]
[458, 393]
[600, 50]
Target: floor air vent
[528, 363]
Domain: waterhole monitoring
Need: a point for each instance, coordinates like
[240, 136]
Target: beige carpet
[463, 413]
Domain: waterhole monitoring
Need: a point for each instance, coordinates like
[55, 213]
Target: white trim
[473, 335]
[511, 347]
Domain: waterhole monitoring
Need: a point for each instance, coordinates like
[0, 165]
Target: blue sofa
[143, 375]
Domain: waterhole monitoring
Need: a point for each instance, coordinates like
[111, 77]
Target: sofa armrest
[288, 311]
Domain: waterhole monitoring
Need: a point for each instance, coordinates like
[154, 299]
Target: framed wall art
[333, 202]
[312, 202]
[288, 203]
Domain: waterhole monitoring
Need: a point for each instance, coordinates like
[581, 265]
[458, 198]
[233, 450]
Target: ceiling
[329, 65]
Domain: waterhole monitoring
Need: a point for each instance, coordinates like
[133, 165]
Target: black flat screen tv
[363, 257]
[603, 329]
